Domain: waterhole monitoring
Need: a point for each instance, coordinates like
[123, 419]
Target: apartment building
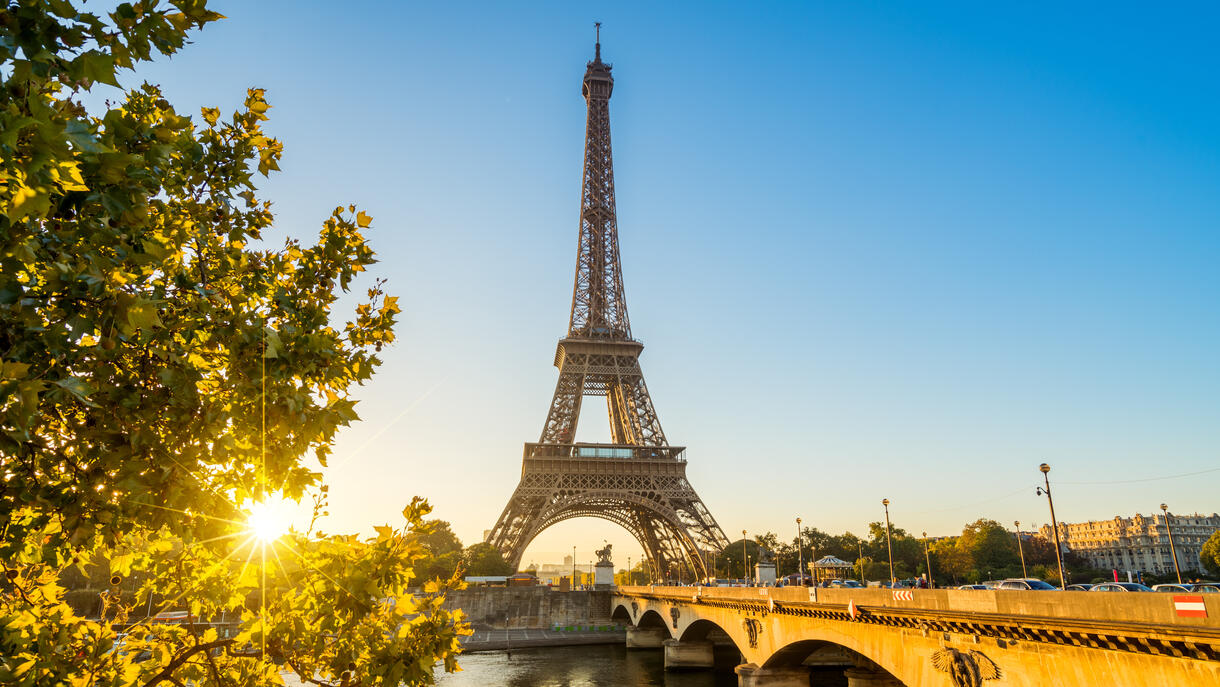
[1140, 542]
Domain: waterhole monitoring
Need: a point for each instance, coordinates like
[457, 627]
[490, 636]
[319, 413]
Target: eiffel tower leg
[561, 420]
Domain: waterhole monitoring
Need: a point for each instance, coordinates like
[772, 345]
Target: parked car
[991, 584]
[1205, 587]
[1026, 583]
[1078, 587]
[1119, 587]
[971, 586]
[1173, 587]
[852, 584]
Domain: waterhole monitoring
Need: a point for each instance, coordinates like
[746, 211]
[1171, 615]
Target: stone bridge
[959, 638]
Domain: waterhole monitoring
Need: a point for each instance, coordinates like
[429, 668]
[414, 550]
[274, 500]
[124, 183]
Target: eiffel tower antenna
[597, 44]
[638, 480]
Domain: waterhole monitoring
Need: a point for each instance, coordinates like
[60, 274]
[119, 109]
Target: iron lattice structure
[638, 481]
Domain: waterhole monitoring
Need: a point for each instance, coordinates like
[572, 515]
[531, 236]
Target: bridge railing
[1102, 607]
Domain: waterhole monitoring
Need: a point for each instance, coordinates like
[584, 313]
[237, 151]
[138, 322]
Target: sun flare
[270, 519]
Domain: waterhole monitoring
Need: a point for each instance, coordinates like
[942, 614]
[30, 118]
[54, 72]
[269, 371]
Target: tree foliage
[161, 367]
[1210, 554]
[483, 559]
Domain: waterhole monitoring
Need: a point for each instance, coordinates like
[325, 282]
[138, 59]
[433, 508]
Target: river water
[600, 665]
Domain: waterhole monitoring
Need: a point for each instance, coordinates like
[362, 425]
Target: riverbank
[499, 640]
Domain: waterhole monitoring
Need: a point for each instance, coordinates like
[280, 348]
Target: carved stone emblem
[965, 668]
[635, 609]
[673, 614]
[753, 629]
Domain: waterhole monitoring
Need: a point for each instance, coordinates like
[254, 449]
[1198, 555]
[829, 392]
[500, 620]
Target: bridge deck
[1147, 623]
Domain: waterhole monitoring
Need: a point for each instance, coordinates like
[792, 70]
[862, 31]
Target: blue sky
[875, 250]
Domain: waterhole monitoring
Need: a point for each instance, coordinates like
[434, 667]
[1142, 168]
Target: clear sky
[874, 249]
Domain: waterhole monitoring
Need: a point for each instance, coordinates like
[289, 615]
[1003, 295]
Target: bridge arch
[622, 614]
[809, 652]
[651, 619]
[660, 531]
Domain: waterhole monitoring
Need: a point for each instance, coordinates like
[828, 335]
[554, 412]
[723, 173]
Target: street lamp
[927, 558]
[813, 560]
[1172, 549]
[573, 568]
[745, 558]
[800, 555]
[860, 557]
[1020, 548]
[1054, 523]
[889, 549]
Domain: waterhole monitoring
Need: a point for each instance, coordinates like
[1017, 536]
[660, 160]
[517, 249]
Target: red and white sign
[1190, 606]
[852, 610]
[903, 595]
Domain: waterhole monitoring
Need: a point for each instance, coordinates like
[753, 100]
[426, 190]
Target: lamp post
[860, 557]
[800, 555]
[1054, 523]
[1020, 548]
[1172, 549]
[745, 559]
[927, 558]
[573, 568]
[813, 560]
[889, 549]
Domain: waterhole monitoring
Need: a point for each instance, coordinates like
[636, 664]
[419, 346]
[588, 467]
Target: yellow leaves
[363, 219]
[210, 115]
[14, 370]
[68, 175]
[120, 564]
[28, 202]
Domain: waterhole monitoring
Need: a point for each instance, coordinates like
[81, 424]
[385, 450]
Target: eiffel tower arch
[637, 481]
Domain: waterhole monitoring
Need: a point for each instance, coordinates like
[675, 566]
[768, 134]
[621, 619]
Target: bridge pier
[865, 677]
[645, 637]
[750, 675]
[692, 654]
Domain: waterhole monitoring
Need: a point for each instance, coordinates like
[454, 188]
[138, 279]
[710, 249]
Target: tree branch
[167, 674]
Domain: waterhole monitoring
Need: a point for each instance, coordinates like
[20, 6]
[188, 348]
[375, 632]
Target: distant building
[1138, 543]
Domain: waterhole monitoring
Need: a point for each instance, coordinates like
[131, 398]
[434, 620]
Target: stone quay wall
[530, 607]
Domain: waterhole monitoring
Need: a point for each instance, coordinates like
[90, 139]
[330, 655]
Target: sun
[269, 519]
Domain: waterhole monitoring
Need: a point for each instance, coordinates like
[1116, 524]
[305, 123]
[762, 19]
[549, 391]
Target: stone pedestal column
[688, 655]
[645, 637]
[750, 675]
[764, 573]
[603, 575]
[864, 677]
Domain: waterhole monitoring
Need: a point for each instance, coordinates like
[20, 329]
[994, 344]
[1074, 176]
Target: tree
[483, 559]
[444, 554]
[729, 561]
[161, 370]
[952, 561]
[992, 548]
[1210, 554]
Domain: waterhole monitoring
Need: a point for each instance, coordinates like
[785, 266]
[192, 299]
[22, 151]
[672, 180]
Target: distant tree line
[985, 550]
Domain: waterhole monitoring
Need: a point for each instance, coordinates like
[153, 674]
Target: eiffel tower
[639, 480]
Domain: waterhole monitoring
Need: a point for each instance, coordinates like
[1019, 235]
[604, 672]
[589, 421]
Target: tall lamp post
[573, 568]
[860, 557]
[1172, 548]
[927, 557]
[745, 559]
[800, 555]
[1054, 523]
[889, 549]
[1020, 548]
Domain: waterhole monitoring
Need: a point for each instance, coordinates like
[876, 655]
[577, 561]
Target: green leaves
[145, 344]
